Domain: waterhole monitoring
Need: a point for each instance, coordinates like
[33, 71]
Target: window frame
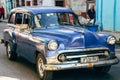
[67, 14]
[30, 21]
[22, 19]
[12, 15]
[16, 18]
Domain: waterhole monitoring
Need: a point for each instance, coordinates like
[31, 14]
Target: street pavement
[21, 69]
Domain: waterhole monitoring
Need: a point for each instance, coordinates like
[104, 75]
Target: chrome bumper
[55, 67]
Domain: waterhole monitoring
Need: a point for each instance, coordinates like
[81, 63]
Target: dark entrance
[28, 3]
[59, 3]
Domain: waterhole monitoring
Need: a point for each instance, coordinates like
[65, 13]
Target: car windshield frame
[55, 19]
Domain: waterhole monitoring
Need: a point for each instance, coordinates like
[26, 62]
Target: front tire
[102, 69]
[10, 52]
[43, 74]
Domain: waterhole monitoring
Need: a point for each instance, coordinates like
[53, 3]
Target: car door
[25, 47]
[13, 29]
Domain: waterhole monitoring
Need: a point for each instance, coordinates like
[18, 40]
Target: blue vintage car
[53, 39]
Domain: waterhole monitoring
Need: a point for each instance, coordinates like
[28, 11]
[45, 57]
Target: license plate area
[89, 59]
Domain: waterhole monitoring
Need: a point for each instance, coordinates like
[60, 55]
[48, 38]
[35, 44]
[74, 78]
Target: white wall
[48, 3]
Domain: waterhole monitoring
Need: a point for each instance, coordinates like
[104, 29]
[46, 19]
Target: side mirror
[23, 26]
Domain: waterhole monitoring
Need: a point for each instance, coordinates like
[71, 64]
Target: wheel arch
[13, 45]
[41, 53]
[8, 38]
[42, 50]
[7, 35]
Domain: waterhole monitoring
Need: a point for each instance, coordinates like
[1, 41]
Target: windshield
[54, 19]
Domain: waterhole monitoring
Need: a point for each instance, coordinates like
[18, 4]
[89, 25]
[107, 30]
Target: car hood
[70, 37]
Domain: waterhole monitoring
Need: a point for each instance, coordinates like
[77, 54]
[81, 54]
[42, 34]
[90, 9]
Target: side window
[26, 23]
[19, 17]
[27, 20]
[12, 18]
[37, 21]
[63, 18]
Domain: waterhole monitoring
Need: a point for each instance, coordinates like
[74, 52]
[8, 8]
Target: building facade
[39, 3]
[76, 5]
[108, 17]
[10, 4]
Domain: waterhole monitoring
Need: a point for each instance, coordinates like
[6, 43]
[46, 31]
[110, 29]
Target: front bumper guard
[56, 67]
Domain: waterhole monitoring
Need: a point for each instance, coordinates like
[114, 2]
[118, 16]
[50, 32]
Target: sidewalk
[5, 20]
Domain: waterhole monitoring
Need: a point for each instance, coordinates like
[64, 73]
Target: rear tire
[102, 69]
[43, 74]
[11, 55]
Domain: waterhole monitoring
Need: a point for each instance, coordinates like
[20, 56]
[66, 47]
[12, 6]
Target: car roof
[41, 9]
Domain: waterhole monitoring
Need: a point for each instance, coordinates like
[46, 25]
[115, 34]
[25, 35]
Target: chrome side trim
[56, 67]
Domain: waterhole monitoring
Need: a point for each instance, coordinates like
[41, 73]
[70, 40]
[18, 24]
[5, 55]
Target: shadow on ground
[81, 74]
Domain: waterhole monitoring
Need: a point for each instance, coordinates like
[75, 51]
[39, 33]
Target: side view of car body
[53, 39]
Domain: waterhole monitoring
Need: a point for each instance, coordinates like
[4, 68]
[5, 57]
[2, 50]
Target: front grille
[75, 56]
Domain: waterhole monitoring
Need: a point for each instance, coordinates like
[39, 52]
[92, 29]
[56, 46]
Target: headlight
[52, 45]
[111, 40]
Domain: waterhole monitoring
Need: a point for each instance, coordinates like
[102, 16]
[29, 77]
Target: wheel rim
[41, 67]
[8, 50]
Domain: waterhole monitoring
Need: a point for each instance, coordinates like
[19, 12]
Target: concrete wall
[117, 15]
[48, 3]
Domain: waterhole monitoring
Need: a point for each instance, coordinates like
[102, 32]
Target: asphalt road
[23, 70]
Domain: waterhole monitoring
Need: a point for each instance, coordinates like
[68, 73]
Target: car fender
[40, 49]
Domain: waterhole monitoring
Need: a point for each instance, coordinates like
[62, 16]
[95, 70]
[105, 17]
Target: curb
[5, 21]
[118, 42]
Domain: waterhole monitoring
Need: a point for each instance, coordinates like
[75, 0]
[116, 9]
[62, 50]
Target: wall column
[114, 16]
[101, 15]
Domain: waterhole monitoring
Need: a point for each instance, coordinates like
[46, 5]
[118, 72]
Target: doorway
[59, 3]
[28, 3]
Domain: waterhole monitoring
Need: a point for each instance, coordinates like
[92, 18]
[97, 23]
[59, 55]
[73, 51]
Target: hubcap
[8, 50]
[41, 67]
